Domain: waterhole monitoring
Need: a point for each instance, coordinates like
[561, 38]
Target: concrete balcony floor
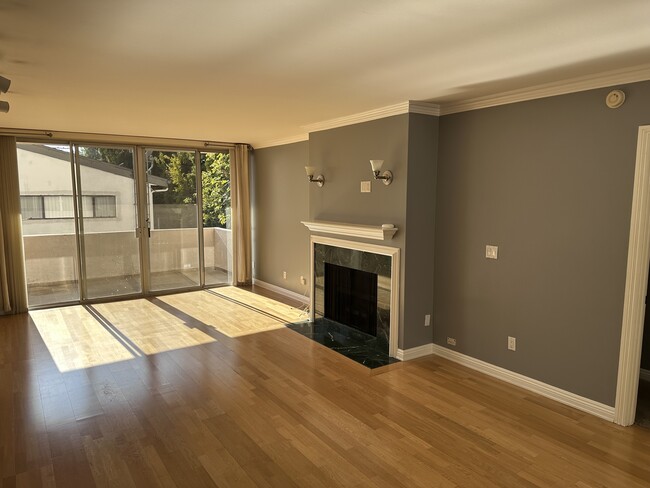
[118, 286]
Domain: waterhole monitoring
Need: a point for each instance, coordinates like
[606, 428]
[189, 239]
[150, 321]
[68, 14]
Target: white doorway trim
[635, 286]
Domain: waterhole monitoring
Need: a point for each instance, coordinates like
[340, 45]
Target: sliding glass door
[103, 221]
[48, 219]
[216, 217]
[172, 216]
[108, 219]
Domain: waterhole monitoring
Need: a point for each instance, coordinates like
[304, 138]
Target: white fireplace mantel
[379, 232]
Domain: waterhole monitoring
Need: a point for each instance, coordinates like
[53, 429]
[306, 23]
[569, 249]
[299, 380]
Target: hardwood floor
[214, 393]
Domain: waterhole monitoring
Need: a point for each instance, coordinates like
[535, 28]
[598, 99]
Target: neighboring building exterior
[46, 196]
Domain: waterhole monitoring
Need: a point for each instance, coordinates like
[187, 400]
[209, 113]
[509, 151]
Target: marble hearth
[383, 261]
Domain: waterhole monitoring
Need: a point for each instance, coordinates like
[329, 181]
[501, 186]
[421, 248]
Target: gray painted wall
[408, 144]
[420, 226]
[280, 241]
[550, 182]
[343, 156]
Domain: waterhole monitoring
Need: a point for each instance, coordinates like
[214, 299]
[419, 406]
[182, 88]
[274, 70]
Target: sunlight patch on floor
[281, 310]
[85, 336]
[76, 340]
[151, 328]
[234, 312]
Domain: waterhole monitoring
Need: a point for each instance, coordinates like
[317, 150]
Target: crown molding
[283, 141]
[378, 113]
[571, 85]
[424, 108]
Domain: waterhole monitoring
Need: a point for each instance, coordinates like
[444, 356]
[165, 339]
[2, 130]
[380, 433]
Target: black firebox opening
[351, 297]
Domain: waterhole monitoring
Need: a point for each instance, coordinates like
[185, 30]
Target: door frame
[147, 210]
[636, 283]
[78, 187]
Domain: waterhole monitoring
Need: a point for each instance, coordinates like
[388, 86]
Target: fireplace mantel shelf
[378, 232]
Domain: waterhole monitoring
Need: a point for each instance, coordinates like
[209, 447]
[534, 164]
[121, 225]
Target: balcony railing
[51, 258]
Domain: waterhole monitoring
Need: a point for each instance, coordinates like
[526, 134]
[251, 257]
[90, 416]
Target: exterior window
[58, 207]
[38, 207]
[31, 207]
[104, 206]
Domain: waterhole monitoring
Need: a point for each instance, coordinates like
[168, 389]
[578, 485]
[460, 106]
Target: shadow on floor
[643, 405]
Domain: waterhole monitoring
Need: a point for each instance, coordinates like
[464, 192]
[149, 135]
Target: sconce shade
[4, 84]
[376, 164]
[386, 176]
[310, 170]
[4, 107]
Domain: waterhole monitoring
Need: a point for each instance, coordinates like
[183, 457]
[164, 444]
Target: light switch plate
[365, 187]
[491, 252]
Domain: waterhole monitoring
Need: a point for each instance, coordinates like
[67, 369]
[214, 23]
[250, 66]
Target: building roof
[52, 152]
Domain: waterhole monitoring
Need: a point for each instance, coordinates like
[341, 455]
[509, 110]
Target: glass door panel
[217, 236]
[108, 221]
[171, 189]
[49, 233]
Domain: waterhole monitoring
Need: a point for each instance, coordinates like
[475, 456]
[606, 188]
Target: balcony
[113, 263]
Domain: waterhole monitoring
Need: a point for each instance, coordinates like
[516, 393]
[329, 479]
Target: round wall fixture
[615, 98]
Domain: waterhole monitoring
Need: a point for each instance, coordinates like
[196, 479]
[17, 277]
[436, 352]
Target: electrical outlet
[284, 275]
[365, 187]
[451, 341]
[427, 320]
[303, 281]
[512, 343]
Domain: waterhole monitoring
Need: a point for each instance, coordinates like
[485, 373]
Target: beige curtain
[241, 215]
[13, 290]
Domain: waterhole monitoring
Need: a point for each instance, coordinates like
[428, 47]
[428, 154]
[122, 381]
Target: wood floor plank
[208, 388]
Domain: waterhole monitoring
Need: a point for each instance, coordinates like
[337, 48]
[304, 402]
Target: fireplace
[354, 284]
[355, 294]
[351, 297]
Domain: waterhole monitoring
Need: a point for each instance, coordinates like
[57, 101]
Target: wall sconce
[4, 84]
[319, 180]
[4, 87]
[386, 176]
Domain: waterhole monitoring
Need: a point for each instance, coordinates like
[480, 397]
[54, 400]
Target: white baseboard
[282, 291]
[644, 374]
[414, 352]
[567, 398]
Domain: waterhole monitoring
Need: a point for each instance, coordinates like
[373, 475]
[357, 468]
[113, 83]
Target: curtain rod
[115, 138]
[221, 144]
[24, 132]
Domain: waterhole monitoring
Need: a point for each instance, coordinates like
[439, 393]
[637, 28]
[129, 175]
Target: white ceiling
[259, 70]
